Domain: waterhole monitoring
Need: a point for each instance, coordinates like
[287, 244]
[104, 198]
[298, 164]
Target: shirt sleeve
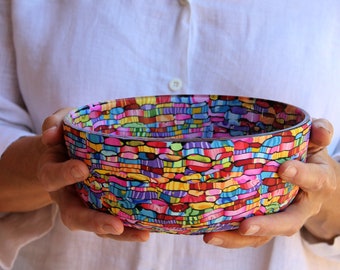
[16, 229]
[20, 229]
[14, 119]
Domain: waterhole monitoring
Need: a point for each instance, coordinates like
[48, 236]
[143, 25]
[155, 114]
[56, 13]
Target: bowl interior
[186, 164]
[186, 117]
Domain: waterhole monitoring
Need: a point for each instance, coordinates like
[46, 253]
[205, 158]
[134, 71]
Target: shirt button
[183, 2]
[175, 84]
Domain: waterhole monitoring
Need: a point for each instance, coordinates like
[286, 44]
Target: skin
[45, 176]
[313, 208]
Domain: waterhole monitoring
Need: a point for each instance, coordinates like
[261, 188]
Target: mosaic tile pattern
[187, 164]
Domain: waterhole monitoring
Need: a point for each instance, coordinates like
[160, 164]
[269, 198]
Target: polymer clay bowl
[186, 164]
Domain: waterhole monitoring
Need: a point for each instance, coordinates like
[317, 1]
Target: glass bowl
[186, 164]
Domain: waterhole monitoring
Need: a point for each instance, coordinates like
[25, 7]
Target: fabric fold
[322, 249]
[20, 229]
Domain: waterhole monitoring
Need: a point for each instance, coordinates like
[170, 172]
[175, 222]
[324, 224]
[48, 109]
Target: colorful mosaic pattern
[187, 164]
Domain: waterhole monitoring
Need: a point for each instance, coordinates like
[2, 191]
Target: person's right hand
[57, 173]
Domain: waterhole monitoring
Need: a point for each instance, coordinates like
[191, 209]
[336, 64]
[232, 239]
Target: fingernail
[50, 129]
[109, 229]
[290, 172]
[77, 173]
[46, 135]
[141, 236]
[252, 230]
[144, 237]
[215, 241]
[323, 125]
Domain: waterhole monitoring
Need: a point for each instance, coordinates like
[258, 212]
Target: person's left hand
[314, 207]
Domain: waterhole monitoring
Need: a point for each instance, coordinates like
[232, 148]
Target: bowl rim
[66, 121]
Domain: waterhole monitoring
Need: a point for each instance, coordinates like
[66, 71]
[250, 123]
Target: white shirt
[70, 53]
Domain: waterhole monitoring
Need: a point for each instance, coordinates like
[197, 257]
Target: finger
[316, 181]
[313, 176]
[54, 172]
[55, 119]
[52, 136]
[52, 127]
[129, 234]
[54, 176]
[284, 223]
[321, 135]
[76, 216]
[233, 239]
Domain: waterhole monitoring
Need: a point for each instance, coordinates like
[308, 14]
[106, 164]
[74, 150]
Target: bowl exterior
[187, 187]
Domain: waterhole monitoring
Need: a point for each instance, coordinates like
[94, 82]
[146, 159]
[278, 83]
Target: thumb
[52, 128]
[321, 135]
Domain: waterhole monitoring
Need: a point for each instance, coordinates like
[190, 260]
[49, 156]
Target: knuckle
[42, 176]
[319, 183]
[322, 181]
[326, 182]
[66, 176]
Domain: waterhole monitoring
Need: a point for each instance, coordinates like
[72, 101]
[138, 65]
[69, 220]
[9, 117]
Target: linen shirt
[55, 54]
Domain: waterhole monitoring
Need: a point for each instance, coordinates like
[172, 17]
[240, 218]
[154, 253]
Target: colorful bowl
[187, 164]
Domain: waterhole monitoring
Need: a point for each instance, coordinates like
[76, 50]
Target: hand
[57, 174]
[313, 207]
